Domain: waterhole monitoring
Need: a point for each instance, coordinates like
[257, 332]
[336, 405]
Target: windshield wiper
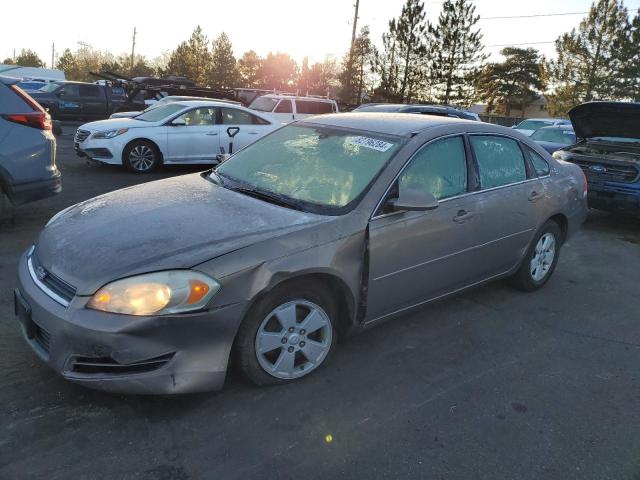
[265, 196]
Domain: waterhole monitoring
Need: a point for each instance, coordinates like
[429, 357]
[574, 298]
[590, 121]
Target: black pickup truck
[82, 101]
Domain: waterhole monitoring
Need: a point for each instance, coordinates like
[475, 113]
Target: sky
[301, 28]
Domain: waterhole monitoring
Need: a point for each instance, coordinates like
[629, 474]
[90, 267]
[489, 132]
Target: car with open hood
[321, 229]
[609, 153]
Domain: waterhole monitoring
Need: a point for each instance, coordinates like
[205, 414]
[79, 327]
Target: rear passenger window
[313, 108]
[89, 91]
[540, 165]
[439, 168]
[284, 107]
[234, 116]
[500, 160]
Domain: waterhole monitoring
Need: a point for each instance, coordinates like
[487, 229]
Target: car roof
[558, 127]
[400, 124]
[208, 103]
[295, 97]
[547, 119]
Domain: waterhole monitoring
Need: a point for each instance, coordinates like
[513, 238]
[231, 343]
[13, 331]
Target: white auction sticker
[379, 145]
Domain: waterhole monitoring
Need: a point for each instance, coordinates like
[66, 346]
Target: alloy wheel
[141, 158]
[543, 257]
[294, 339]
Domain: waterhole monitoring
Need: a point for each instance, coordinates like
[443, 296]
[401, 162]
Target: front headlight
[160, 293]
[110, 133]
[561, 155]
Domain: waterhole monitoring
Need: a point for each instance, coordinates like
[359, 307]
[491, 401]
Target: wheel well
[146, 140]
[345, 304]
[562, 222]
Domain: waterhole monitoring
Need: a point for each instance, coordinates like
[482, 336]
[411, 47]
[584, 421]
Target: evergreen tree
[514, 83]
[321, 77]
[67, 63]
[278, 71]
[457, 48]
[630, 66]
[387, 67]
[356, 68]
[411, 35]
[224, 71]
[589, 60]
[249, 69]
[192, 58]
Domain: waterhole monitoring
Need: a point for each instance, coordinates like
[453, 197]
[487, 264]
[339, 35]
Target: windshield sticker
[379, 145]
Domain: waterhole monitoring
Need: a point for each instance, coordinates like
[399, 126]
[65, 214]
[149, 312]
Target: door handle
[534, 196]
[252, 133]
[211, 133]
[462, 216]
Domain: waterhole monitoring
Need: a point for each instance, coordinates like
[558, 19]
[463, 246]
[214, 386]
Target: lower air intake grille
[107, 365]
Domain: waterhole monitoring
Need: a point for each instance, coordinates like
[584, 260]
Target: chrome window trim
[50, 293]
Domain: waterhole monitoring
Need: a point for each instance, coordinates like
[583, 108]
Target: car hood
[113, 123]
[525, 131]
[120, 115]
[550, 146]
[174, 223]
[606, 119]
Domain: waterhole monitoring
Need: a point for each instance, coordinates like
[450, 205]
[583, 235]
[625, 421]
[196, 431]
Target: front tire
[141, 156]
[287, 335]
[541, 259]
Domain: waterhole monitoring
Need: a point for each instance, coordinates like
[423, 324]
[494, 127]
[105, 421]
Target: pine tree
[224, 71]
[630, 65]
[457, 48]
[514, 83]
[67, 63]
[588, 64]
[356, 67]
[192, 58]
[387, 66]
[411, 35]
[249, 69]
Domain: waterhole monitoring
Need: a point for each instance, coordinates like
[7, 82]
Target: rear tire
[141, 156]
[541, 259]
[273, 347]
[6, 207]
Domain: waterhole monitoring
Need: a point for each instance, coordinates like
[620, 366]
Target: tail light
[38, 118]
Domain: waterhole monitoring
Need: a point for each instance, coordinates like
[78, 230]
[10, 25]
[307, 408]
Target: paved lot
[493, 384]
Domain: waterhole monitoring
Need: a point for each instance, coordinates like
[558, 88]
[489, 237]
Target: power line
[518, 44]
[535, 15]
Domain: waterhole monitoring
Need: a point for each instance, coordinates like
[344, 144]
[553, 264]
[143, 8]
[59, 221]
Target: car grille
[603, 171]
[107, 365]
[42, 337]
[50, 283]
[81, 135]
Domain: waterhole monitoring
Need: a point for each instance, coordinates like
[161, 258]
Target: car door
[69, 101]
[510, 202]
[240, 128]
[93, 100]
[417, 256]
[284, 111]
[197, 139]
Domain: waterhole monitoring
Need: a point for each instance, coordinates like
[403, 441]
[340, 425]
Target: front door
[417, 256]
[197, 140]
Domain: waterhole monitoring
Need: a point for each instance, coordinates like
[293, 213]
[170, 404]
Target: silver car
[321, 229]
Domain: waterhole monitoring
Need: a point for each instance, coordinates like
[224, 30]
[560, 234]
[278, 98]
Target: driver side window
[199, 116]
[439, 168]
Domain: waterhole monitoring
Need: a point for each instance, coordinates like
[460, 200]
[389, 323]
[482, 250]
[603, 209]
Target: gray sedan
[317, 231]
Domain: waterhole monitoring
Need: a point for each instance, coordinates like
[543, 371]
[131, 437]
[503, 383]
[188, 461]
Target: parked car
[438, 110]
[608, 153]
[30, 86]
[318, 230]
[180, 132]
[166, 100]
[530, 125]
[285, 108]
[28, 169]
[554, 138]
[77, 100]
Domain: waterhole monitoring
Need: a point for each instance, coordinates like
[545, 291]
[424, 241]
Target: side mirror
[414, 200]
[178, 122]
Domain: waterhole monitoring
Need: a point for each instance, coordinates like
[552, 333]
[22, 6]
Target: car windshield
[616, 139]
[50, 87]
[264, 104]
[157, 114]
[555, 135]
[318, 168]
[534, 124]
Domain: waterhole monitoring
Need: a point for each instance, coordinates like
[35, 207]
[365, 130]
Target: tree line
[418, 61]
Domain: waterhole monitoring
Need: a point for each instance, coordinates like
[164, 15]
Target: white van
[286, 108]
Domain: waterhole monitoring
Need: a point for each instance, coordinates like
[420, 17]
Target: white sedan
[197, 132]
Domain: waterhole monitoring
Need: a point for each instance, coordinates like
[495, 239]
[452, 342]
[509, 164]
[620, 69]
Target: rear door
[510, 201]
[198, 140]
[240, 128]
[94, 101]
[416, 256]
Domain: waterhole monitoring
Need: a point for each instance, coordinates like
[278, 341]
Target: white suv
[286, 108]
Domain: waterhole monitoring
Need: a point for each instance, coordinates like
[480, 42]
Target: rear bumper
[37, 190]
[129, 354]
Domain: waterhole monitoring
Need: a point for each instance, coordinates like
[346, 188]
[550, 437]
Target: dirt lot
[493, 384]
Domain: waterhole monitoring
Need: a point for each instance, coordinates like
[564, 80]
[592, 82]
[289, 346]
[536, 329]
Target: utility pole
[53, 55]
[133, 48]
[355, 24]
[353, 44]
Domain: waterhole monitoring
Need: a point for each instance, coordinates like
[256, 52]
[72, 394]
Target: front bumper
[128, 354]
[101, 150]
[616, 198]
